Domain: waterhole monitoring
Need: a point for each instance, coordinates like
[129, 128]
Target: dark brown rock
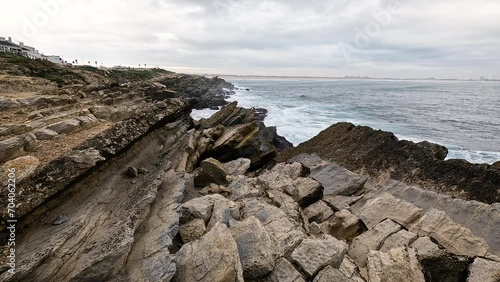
[380, 153]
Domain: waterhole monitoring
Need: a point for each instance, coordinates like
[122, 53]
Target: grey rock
[87, 121]
[60, 220]
[318, 212]
[285, 202]
[255, 248]
[284, 171]
[426, 248]
[343, 225]
[286, 232]
[350, 269]
[214, 257]
[305, 191]
[199, 208]
[402, 238]
[65, 126]
[454, 237]
[482, 270]
[17, 146]
[242, 187]
[371, 240]
[386, 206]
[329, 274]
[212, 171]
[223, 210]
[309, 160]
[397, 264]
[314, 254]
[45, 134]
[341, 202]
[238, 167]
[339, 181]
[284, 271]
[84, 158]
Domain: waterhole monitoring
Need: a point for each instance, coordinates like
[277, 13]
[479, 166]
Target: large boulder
[371, 240]
[242, 141]
[284, 271]
[394, 266]
[343, 225]
[45, 134]
[318, 212]
[314, 254]
[65, 126]
[454, 237]
[330, 274]
[224, 211]
[17, 146]
[212, 258]
[338, 180]
[255, 248]
[201, 208]
[403, 238]
[286, 232]
[483, 270]
[238, 167]
[284, 171]
[350, 269]
[212, 171]
[305, 191]
[400, 211]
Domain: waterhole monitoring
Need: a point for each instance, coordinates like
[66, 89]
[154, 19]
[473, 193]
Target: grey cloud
[447, 38]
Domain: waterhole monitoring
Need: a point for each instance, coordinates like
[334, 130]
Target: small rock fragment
[192, 230]
[60, 220]
[132, 172]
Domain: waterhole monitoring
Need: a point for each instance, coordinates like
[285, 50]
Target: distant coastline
[339, 78]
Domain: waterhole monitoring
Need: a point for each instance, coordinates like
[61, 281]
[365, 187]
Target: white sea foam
[302, 109]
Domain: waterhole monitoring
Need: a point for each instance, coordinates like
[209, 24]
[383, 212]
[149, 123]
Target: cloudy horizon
[385, 38]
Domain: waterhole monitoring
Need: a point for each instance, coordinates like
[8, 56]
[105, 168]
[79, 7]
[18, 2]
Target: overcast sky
[379, 38]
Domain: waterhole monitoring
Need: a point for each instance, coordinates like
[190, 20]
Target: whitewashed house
[29, 51]
[53, 58]
[8, 46]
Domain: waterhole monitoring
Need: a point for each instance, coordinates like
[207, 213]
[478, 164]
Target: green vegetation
[19, 65]
[137, 74]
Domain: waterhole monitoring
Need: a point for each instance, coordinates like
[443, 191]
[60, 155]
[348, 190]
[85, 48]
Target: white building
[53, 58]
[7, 45]
[29, 51]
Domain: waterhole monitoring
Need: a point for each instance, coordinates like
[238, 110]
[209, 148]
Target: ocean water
[464, 116]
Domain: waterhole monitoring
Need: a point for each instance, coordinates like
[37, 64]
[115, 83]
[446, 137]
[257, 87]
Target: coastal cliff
[116, 182]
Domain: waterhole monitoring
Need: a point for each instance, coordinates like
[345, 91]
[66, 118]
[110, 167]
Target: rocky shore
[116, 182]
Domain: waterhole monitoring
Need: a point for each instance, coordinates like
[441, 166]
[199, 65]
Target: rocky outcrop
[382, 155]
[154, 196]
[207, 92]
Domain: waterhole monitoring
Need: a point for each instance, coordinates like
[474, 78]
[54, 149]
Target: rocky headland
[116, 182]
